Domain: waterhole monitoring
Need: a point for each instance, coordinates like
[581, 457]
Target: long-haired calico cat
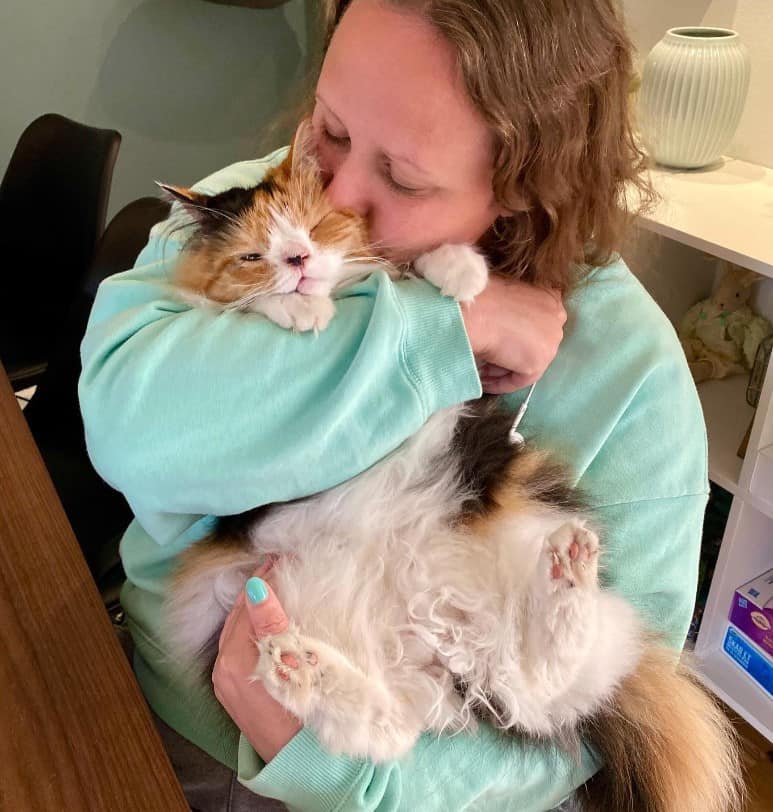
[455, 579]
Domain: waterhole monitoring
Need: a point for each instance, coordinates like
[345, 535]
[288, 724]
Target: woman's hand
[514, 330]
[266, 724]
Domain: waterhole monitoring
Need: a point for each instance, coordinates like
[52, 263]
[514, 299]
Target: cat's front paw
[349, 711]
[458, 270]
[572, 554]
[297, 311]
[289, 671]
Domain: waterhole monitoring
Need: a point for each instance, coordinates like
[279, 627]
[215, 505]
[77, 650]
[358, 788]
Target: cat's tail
[666, 744]
[204, 588]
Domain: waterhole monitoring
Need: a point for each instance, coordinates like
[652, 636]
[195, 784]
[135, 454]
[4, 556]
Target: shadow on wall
[648, 28]
[192, 72]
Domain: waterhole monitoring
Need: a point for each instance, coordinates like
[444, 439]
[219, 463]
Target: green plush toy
[720, 335]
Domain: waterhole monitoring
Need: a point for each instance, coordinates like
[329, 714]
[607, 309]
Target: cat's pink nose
[296, 260]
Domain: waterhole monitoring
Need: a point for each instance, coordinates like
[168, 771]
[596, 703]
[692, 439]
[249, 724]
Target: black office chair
[53, 203]
[98, 514]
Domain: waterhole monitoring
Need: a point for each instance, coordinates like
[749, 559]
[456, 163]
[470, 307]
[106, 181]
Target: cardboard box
[752, 611]
[748, 657]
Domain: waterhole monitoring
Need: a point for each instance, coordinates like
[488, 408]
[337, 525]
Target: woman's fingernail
[256, 590]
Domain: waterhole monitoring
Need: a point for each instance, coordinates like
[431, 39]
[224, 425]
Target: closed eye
[338, 140]
[251, 257]
[403, 190]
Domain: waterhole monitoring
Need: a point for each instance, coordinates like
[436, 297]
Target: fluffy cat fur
[456, 579]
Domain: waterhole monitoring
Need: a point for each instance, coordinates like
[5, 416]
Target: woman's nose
[348, 189]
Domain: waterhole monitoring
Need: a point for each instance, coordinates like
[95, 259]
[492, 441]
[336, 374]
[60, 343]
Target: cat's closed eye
[251, 257]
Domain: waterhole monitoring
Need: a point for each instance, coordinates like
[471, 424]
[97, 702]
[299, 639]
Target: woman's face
[397, 135]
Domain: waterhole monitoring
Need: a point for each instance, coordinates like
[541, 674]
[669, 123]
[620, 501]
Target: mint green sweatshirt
[194, 414]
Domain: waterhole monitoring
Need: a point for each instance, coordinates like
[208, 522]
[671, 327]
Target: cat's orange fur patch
[529, 473]
[207, 554]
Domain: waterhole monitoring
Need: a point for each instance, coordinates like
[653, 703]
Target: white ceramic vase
[692, 94]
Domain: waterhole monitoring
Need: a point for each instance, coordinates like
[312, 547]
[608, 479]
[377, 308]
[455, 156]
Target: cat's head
[280, 236]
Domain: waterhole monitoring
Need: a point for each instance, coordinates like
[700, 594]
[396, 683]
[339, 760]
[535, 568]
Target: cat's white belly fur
[372, 570]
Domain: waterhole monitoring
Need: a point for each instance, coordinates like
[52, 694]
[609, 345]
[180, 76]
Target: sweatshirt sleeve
[192, 411]
[484, 772]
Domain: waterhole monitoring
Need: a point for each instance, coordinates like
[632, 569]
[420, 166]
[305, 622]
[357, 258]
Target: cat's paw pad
[458, 270]
[309, 312]
[573, 556]
[286, 664]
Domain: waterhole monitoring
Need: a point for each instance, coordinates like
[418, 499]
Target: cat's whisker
[377, 247]
[357, 271]
[238, 304]
[255, 285]
[370, 260]
[243, 301]
[373, 249]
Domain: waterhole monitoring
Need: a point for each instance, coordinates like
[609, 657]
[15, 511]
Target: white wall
[648, 20]
[190, 85]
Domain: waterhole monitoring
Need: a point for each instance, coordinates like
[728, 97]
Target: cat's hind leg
[350, 711]
[560, 626]
[562, 603]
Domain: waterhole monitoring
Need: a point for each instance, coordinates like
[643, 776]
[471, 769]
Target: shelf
[722, 676]
[725, 210]
[762, 479]
[727, 416]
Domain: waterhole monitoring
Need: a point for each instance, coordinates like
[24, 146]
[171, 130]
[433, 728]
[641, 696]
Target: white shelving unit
[725, 435]
[727, 211]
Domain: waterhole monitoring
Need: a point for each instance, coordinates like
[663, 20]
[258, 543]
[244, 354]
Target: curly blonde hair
[553, 80]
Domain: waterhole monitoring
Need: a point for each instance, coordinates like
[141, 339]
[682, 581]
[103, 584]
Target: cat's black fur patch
[232, 202]
[553, 487]
[484, 451]
[267, 186]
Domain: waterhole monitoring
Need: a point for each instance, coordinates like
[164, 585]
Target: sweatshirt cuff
[448, 375]
[302, 774]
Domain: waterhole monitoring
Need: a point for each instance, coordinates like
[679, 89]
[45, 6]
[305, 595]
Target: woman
[498, 122]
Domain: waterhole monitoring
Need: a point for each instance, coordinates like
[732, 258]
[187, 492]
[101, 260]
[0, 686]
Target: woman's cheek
[416, 232]
[326, 158]
[394, 232]
[401, 245]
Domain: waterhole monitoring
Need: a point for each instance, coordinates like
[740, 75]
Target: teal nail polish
[256, 590]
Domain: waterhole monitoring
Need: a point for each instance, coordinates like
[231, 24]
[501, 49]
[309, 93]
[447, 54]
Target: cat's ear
[302, 154]
[195, 203]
